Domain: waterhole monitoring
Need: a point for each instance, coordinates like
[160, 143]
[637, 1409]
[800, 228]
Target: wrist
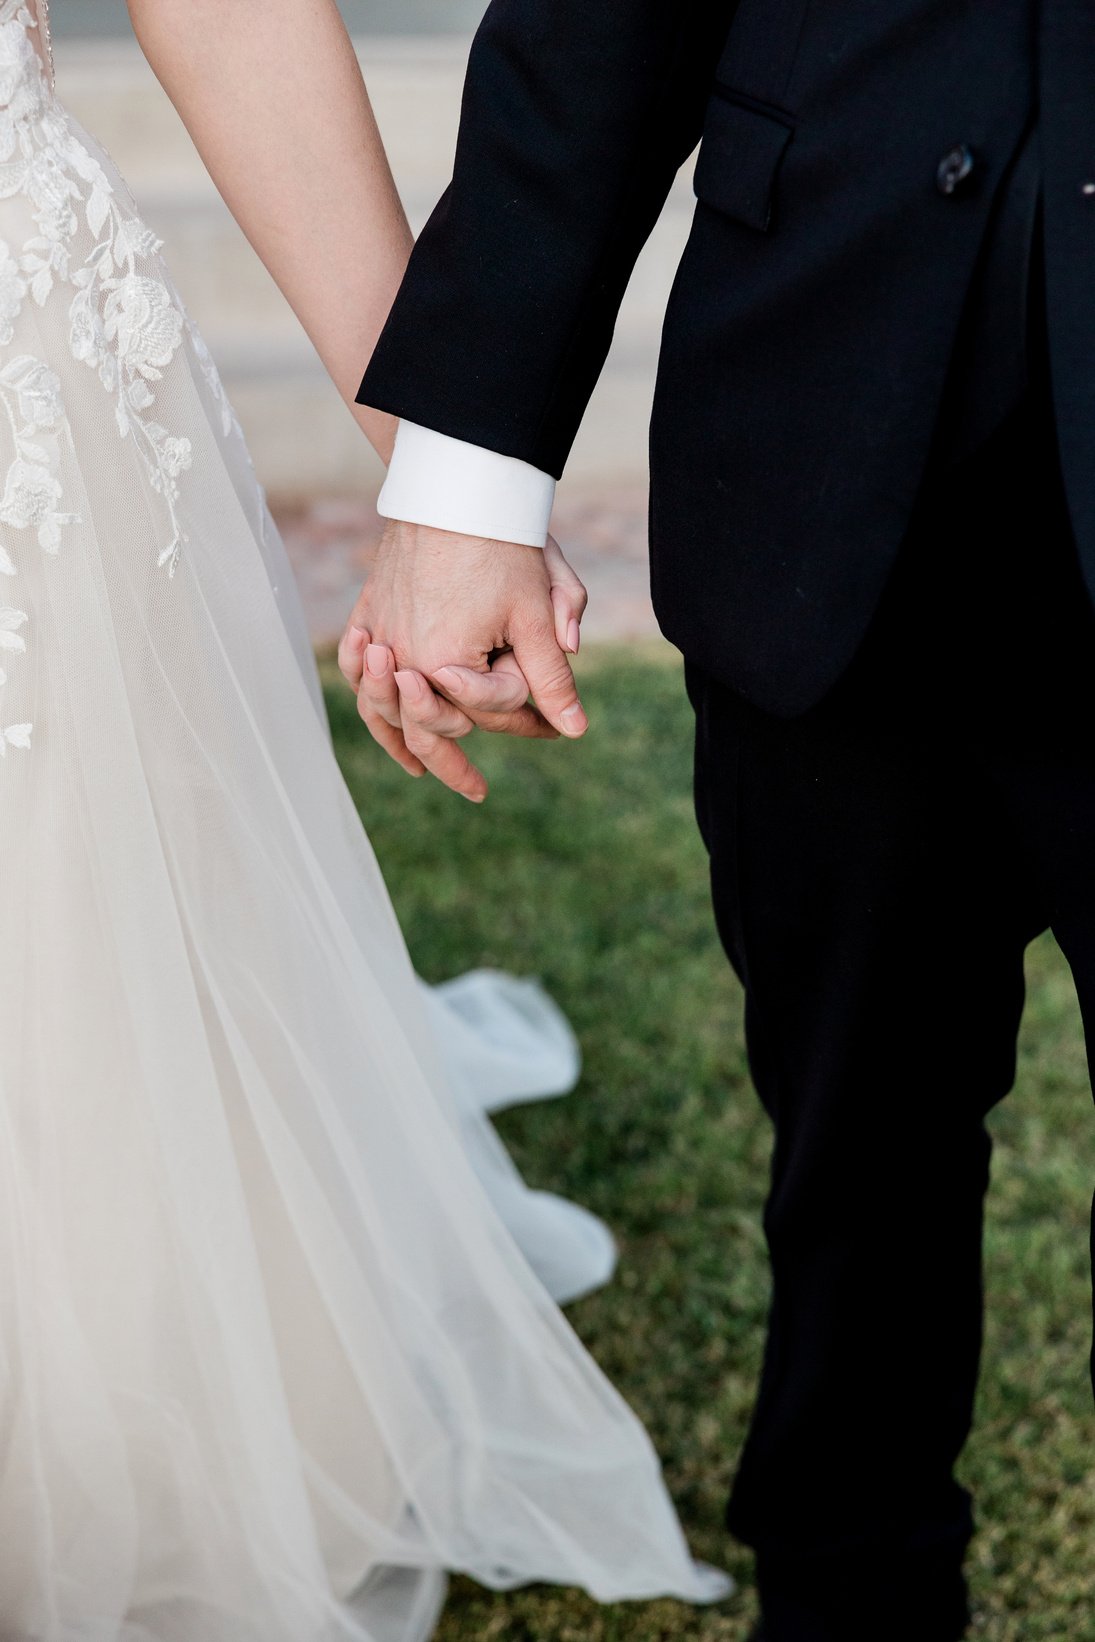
[412, 540]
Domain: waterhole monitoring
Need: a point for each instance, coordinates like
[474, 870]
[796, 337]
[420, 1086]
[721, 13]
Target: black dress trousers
[879, 864]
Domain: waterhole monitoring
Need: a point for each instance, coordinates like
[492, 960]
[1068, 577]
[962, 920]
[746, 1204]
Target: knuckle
[557, 681]
[504, 724]
[450, 721]
[378, 727]
[423, 715]
[539, 628]
[380, 707]
[535, 616]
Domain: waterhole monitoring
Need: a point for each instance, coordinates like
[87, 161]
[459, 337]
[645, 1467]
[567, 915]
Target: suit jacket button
[955, 168]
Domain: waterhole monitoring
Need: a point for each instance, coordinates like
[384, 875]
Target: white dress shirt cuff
[443, 482]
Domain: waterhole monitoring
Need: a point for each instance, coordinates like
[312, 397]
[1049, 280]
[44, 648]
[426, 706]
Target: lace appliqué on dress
[30, 394]
[125, 320]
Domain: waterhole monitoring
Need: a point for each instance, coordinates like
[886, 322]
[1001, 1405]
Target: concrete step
[302, 438]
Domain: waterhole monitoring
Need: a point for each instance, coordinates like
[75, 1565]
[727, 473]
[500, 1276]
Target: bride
[271, 1357]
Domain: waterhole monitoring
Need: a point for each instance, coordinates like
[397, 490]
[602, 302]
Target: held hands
[453, 632]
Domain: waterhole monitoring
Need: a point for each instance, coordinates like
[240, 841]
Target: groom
[873, 532]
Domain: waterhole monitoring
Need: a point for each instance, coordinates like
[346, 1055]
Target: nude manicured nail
[376, 660]
[410, 686]
[574, 636]
[450, 680]
[574, 719]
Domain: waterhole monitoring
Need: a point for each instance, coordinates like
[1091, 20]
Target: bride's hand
[418, 721]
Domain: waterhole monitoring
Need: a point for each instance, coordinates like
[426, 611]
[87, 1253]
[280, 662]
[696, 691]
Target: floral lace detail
[31, 397]
[125, 319]
[12, 640]
[207, 365]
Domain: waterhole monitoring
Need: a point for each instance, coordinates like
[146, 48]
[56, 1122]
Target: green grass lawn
[584, 868]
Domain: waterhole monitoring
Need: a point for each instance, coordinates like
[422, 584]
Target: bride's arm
[272, 96]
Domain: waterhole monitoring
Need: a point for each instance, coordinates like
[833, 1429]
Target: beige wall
[272, 373]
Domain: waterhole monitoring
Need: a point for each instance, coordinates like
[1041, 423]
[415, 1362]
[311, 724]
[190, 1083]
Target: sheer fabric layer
[269, 1360]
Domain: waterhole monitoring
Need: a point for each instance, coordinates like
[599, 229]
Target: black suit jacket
[851, 151]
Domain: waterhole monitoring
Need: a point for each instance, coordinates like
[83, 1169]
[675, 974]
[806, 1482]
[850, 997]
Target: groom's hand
[474, 626]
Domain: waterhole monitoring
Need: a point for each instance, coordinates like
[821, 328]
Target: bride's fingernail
[574, 719]
[410, 686]
[376, 660]
[574, 636]
[450, 680]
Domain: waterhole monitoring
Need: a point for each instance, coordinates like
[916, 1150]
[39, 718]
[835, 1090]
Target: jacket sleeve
[576, 117]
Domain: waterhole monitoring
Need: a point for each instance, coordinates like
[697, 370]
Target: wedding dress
[271, 1359]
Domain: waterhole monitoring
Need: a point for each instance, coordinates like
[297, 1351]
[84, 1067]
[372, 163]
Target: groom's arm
[577, 115]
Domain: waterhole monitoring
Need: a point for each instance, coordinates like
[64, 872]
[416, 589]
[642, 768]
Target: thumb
[550, 679]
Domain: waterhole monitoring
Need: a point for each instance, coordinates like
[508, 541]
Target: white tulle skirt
[271, 1356]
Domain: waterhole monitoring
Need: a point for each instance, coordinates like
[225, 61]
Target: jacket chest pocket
[747, 132]
[739, 159]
